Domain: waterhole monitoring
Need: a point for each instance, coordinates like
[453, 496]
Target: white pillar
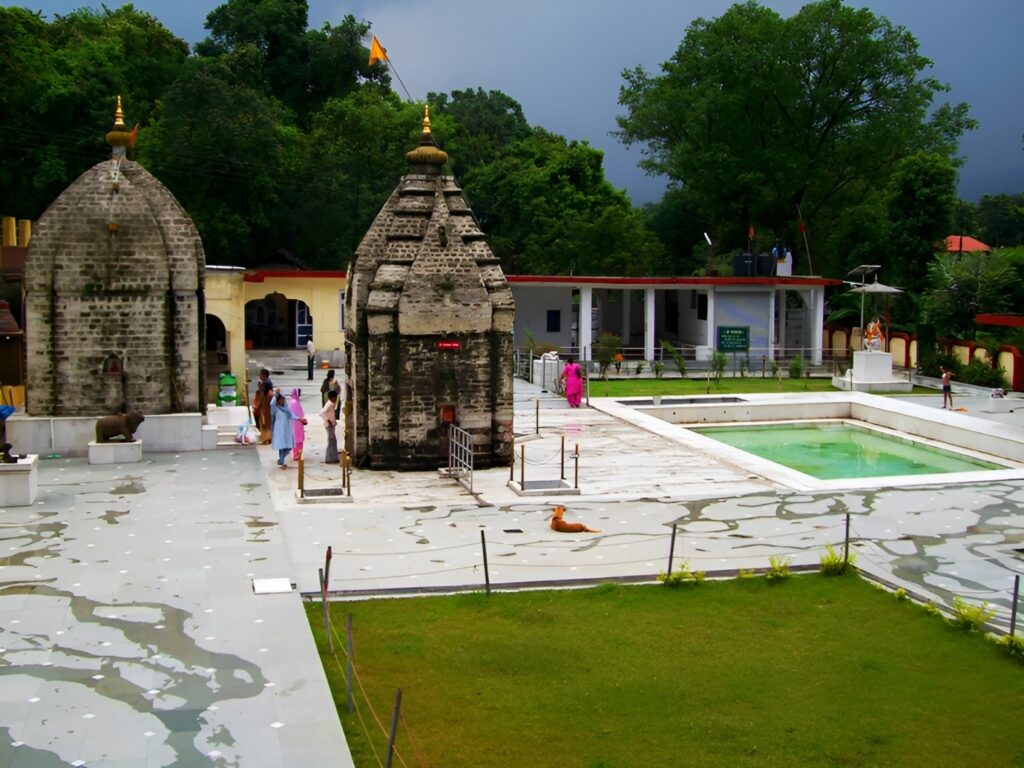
[648, 323]
[781, 303]
[817, 323]
[626, 307]
[771, 325]
[711, 318]
[586, 304]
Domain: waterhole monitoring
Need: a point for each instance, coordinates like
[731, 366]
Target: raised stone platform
[871, 372]
[19, 483]
[118, 452]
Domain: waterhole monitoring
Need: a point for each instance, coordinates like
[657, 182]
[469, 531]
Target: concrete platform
[115, 452]
[19, 483]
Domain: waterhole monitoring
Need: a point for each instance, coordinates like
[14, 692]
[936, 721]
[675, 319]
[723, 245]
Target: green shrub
[746, 573]
[900, 594]
[796, 368]
[659, 368]
[640, 367]
[833, 564]
[981, 374]
[676, 355]
[683, 576]
[605, 349]
[717, 364]
[778, 568]
[1013, 645]
[969, 616]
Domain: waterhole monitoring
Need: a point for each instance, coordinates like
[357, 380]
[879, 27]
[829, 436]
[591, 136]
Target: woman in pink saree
[298, 426]
[572, 375]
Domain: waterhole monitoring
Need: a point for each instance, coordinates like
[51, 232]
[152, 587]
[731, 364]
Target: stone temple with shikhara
[114, 296]
[428, 318]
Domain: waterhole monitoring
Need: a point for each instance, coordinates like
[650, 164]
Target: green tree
[58, 83]
[548, 209]
[963, 286]
[1001, 219]
[922, 199]
[768, 119]
[482, 124]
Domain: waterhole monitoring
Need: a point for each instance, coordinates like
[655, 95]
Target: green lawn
[727, 386]
[813, 671]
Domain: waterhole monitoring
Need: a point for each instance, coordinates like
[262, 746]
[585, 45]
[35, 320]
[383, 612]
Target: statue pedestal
[871, 372]
[19, 483]
[120, 452]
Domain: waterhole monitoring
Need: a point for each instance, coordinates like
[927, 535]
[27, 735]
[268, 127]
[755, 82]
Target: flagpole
[807, 246]
[392, 67]
[378, 52]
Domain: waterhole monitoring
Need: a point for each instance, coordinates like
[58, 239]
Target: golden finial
[427, 154]
[119, 136]
[119, 115]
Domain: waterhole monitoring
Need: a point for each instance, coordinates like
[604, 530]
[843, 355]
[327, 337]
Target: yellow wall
[227, 293]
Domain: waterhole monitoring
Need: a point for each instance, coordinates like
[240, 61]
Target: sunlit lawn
[813, 671]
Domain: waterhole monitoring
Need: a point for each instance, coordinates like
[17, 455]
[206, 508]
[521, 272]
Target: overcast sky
[563, 59]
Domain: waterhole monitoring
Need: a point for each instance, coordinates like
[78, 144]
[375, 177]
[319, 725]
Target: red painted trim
[259, 275]
[1010, 321]
[657, 281]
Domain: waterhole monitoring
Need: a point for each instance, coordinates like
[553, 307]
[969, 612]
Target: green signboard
[733, 338]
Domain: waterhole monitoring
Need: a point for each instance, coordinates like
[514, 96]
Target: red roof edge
[1010, 321]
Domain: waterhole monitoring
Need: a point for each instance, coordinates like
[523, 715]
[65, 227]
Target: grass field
[727, 386]
[813, 671]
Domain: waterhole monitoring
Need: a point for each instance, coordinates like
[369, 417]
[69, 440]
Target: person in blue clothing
[282, 437]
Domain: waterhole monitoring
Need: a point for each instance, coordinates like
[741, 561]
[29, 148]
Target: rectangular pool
[840, 450]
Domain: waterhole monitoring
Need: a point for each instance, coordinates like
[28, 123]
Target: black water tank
[743, 265]
[765, 265]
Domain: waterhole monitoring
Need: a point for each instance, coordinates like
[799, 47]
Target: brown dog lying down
[558, 524]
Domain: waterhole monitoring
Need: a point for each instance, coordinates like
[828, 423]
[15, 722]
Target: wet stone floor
[129, 631]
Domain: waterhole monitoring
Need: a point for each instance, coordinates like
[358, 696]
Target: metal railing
[460, 456]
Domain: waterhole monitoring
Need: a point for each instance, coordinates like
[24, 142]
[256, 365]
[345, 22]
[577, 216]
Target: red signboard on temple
[449, 344]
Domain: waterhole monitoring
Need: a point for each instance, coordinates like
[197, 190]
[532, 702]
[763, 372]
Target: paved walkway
[130, 634]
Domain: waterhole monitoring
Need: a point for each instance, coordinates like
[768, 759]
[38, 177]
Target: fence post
[536, 417]
[327, 569]
[394, 726]
[487, 572]
[563, 457]
[1013, 607]
[349, 667]
[302, 478]
[326, 611]
[522, 467]
[846, 543]
[512, 463]
[671, 550]
[576, 468]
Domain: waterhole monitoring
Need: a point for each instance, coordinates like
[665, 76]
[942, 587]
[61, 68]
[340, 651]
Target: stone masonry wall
[133, 294]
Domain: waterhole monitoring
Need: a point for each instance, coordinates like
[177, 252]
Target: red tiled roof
[965, 244]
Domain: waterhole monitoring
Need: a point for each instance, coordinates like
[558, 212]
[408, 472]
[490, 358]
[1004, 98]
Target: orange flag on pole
[377, 52]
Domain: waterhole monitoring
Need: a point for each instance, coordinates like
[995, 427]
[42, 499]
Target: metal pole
[576, 470]
[302, 478]
[536, 418]
[512, 464]
[327, 569]
[487, 572]
[522, 467]
[563, 457]
[1013, 608]
[846, 542]
[349, 668]
[394, 726]
[672, 549]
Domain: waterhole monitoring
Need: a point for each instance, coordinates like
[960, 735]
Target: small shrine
[428, 318]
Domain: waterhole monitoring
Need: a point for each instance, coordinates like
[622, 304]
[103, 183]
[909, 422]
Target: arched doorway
[217, 360]
[277, 322]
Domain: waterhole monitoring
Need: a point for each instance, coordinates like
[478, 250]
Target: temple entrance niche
[217, 360]
[277, 322]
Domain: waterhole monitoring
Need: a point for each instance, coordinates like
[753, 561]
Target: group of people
[282, 422]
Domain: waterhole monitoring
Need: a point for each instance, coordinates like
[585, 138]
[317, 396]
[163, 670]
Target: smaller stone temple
[428, 318]
[114, 296]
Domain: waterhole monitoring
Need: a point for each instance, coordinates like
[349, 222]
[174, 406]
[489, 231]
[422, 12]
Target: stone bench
[1001, 405]
[19, 483]
[118, 452]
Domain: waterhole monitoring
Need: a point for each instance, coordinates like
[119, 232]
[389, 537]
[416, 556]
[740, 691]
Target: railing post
[487, 572]
[522, 467]
[846, 542]
[563, 457]
[576, 471]
[1013, 607]
[302, 478]
[672, 549]
[394, 726]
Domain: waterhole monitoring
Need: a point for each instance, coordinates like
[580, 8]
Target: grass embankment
[725, 386]
[812, 671]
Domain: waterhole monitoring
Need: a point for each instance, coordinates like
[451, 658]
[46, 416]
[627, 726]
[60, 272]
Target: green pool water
[843, 451]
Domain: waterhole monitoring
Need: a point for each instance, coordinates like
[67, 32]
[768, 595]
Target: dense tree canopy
[770, 120]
